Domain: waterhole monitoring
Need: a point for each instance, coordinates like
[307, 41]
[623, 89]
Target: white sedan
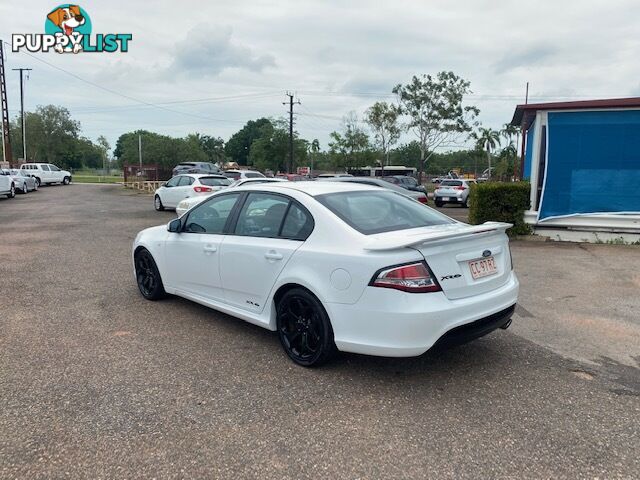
[187, 203]
[334, 266]
[185, 186]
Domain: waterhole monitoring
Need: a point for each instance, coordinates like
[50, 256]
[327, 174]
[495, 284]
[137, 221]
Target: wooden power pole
[6, 134]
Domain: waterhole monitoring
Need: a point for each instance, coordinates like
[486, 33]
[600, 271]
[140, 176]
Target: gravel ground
[96, 382]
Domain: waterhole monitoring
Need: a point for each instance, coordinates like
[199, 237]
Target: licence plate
[483, 268]
[445, 199]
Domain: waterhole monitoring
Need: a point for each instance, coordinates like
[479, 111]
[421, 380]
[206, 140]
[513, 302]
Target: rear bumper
[451, 199]
[390, 323]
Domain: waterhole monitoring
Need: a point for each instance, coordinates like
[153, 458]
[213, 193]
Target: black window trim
[243, 199]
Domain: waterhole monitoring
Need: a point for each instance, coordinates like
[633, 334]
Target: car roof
[201, 175]
[310, 188]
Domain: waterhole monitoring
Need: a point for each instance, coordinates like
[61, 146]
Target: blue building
[583, 162]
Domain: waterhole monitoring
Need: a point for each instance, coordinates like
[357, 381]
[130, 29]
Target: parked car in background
[46, 173]
[23, 182]
[195, 167]
[7, 186]
[291, 177]
[378, 182]
[333, 175]
[334, 266]
[453, 191]
[185, 186]
[448, 176]
[188, 203]
[238, 174]
[405, 181]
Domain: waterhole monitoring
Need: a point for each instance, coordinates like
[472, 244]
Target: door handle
[273, 255]
[210, 249]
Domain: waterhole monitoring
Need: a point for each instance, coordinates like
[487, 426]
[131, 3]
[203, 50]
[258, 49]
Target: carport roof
[525, 113]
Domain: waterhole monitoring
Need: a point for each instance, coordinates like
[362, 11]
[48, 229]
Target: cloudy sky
[211, 66]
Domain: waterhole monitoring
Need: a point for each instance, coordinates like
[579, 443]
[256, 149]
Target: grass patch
[97, 179]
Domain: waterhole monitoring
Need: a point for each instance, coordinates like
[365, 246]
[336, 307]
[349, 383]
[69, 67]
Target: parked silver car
[418, 196]
[23, 182]
[453, 191]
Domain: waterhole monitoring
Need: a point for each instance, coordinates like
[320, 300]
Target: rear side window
[261, 215]
[185, 181]
[298, 224]
[451, 183]
[214, 181]
[378, 211]
[45, 167]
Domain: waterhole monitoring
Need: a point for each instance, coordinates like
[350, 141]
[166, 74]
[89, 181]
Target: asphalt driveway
[96, 382]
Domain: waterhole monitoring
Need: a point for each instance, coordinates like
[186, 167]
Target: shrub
[500, 202]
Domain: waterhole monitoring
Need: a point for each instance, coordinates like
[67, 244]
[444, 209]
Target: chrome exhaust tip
[506, 325]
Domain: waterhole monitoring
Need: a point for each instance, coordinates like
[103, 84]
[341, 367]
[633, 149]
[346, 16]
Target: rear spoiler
[407, 240]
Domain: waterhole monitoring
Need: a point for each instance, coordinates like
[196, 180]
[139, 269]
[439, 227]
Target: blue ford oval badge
[486, 253]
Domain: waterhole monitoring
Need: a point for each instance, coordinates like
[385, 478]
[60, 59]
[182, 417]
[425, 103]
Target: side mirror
[174, 226]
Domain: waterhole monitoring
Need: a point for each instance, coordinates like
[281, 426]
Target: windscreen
[380, 211]
[214, 181]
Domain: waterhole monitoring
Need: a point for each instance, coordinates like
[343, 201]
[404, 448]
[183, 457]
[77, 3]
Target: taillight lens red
[413, 278]
[422, 200]
[200, 189]
[461, 188]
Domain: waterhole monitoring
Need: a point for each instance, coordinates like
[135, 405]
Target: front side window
[54, 168]
[211, 216]
[262, 215]
[375, 211]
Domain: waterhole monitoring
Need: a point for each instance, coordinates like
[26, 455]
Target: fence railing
[147, 186]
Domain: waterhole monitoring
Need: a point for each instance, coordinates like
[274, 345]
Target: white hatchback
[184, 186]
[334, 266]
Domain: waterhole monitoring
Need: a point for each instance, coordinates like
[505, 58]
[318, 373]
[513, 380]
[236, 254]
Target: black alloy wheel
[148, 276]
[304, 328]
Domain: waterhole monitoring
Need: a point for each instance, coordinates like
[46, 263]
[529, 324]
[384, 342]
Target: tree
[435, 110]
[240, 142]
[269, 151]
[509, 131]
[349, 148]
[213, 147]
[487, 139]
[104, 146]
[383, 120]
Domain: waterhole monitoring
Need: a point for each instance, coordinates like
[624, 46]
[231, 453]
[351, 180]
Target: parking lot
[96, 382]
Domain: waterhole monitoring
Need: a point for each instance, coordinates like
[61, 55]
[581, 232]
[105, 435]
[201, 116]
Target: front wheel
[66, 181]
[12, 191]
[148, 276]
[38, 183]
[304, 328]
[35, 186]
[157, 203]
[25, 190]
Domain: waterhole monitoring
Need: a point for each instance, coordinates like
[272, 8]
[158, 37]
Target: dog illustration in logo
[67, 19]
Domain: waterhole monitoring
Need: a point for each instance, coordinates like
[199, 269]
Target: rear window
[381, 211]
[214, 181]
[451, 183]
[186, 164]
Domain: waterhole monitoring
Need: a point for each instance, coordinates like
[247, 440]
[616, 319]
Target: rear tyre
[465, 204]
[148, 276]
[157, 203]
[38, 182]
[12, 191]
[304, 328]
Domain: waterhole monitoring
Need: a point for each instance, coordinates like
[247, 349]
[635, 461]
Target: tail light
[412, 278]
[422, 199]
[461, 187]
[200, 189]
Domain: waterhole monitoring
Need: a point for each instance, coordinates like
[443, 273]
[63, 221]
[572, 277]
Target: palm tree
[509, 131]
[487, 139]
